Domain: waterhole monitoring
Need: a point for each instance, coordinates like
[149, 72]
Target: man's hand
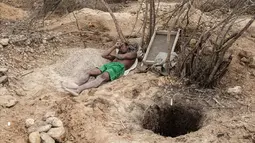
[107, 53]
[118, 45]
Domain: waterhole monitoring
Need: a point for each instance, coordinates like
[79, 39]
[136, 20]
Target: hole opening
[172, 121]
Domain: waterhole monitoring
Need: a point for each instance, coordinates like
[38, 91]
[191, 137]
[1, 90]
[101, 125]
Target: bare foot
[69, 84]
[72, 91]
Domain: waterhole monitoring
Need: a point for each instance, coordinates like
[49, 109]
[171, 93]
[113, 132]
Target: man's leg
[95, 83]
[74, 84]
[84, 78]
[104, 77]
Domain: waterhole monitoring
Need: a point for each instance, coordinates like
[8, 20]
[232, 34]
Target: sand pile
[8, 12]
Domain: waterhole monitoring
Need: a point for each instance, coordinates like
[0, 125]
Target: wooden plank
[176, 40]
[149, 47]
[173, 34]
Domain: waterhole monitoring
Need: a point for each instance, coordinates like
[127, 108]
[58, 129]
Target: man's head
[128, 48]
[124, 48]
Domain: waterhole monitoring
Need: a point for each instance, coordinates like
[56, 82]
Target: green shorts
[115, 69]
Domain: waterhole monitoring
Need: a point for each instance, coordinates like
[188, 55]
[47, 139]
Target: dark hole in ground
[172, 121]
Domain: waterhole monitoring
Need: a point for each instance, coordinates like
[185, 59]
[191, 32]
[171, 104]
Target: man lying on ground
[120, 62]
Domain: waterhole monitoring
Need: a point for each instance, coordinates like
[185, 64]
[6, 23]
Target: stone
[235, 90]
[245, 54]
[44, 41]
[253, 35]
[30, 122]
[46, 138]
[54, 121]
[8, 101]
[3, 70]
[1, 46]
[192, 42]
[20, 92]
[3, 79]
[252, 63]
[42, 128]
[34, 137]
[49, 114]
[245, 60]
[4, 91]
[57, 133]
[4, 41]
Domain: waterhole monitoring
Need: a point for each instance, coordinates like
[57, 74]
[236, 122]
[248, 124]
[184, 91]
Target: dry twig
[122, 38]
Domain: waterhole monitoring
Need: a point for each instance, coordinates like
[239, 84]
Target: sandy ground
[11, 13]
[116, 112]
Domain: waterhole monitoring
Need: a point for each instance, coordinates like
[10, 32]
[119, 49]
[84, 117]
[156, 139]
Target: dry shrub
[223, 5]
[204, 48]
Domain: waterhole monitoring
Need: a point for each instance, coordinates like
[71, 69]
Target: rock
[252, 63]
[8, 101]
[245, 54]
[245, 60]
[192, 42]
[32, 129]
[3, 70]
[252, 73]
[34, 137]
[3, 79]
[30, 122]
[46, 138]
[253, 35]
[49, 114]
[57, 133]
[42, 128]
[1, 46]
[20, 92]
[44, 41]
[4, 41]
[235, 90]
[54, 121]
[4, 91]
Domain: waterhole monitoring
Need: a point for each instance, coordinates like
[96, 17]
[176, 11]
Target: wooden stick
[152, 18]
[122, 38]
[137, 15]
[144, 24]
[78, 27]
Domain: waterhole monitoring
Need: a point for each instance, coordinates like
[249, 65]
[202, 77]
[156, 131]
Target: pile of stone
[3, 75]
[3, 71]
[48, 130]
[6, 99]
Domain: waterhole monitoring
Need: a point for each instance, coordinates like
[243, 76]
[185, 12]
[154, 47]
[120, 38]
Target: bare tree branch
[145, 19]
[122, 38]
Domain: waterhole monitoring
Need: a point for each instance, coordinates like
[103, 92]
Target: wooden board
[158, 44]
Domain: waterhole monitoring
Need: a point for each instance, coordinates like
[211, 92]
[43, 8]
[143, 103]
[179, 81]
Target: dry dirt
[11, 13]
[123, 110]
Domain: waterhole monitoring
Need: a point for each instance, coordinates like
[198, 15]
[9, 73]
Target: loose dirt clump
[8, 12]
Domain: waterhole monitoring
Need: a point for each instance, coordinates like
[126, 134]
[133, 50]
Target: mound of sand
[80, 61]
[8, 12]
[95, 19]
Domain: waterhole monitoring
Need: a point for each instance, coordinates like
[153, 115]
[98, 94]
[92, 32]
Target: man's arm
[107, 54]
[127, 56]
